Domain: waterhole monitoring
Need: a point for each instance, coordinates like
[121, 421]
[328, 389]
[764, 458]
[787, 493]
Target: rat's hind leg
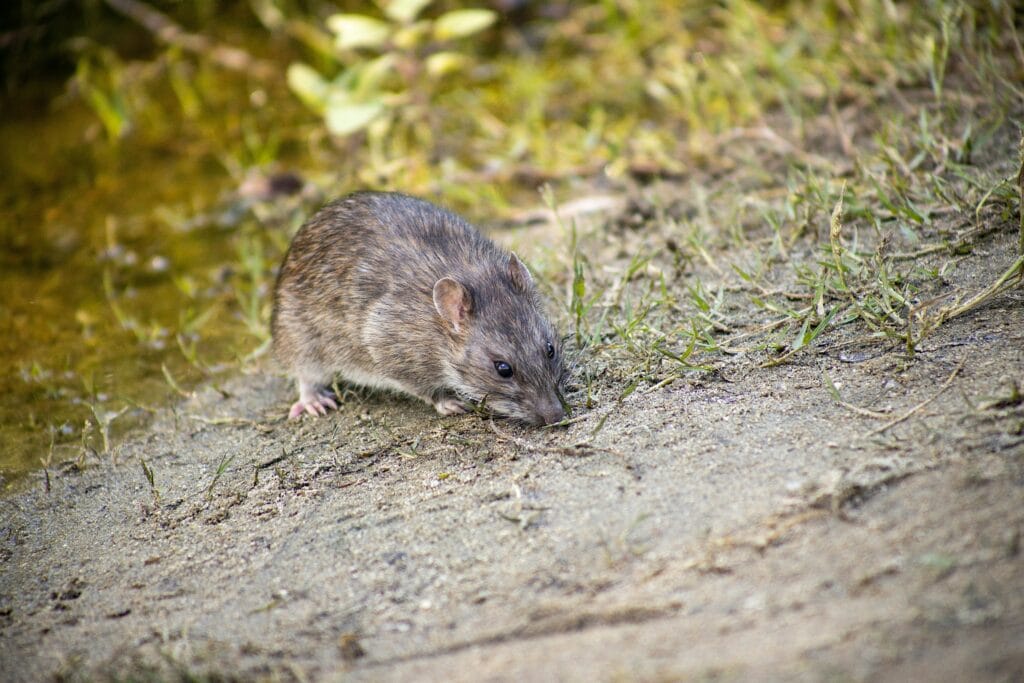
[315, 397]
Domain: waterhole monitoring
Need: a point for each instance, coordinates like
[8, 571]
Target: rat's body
[393, 292]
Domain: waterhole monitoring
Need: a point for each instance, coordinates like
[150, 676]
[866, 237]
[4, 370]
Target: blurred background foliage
[158, 155]
[432, 96]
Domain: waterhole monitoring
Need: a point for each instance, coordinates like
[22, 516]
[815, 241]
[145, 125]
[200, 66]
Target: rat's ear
[453, 302]
[518, 272]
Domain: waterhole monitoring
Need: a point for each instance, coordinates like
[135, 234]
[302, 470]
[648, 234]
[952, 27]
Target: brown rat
[392, 292]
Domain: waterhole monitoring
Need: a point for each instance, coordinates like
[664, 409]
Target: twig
[985, 197]
[566, 422]
[922, 404]
[166, 31]
[951, 247]
[767, 327]
[240, 421]
[222, 420]
[862, 411]
[1005, 283]
[779, 360]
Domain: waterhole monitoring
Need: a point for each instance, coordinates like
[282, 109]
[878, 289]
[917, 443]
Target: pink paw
[450, 406]
[317, 404]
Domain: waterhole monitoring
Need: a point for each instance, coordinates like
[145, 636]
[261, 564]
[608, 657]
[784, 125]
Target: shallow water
[115, 261]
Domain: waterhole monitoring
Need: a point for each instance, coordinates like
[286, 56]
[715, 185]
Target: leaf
[404, 11]
[742, 273]
[801, 337]
[368, 76]
[822, 324]
[358, 30]
[579, 284]
[345, 118]
[830, 386]
[681, 358]
[443, 63]
[109, 109]
[696, 293]
[462, 23]
[148, 471]
[308, 85]
[409, 36]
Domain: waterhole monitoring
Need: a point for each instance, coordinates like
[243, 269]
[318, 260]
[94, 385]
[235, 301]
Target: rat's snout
[551, 412]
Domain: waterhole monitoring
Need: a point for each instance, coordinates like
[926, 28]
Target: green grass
[859, 240]
[803, 172]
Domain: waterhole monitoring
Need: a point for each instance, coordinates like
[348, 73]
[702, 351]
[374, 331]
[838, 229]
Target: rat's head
[507, 354]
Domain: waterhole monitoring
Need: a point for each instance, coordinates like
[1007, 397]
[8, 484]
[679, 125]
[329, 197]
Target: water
[116, 261]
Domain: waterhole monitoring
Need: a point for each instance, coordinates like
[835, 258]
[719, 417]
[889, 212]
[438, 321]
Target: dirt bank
[729, 525]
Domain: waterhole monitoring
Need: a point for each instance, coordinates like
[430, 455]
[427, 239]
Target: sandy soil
[735, 526]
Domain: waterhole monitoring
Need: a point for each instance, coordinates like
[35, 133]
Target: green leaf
[801, 337]
[358, 30]
[579, 284]
[109, 109]
[368, 76]
[411, 35]
[404, 11]
[699, 300]
[463, 22]
[443, 63]
[345, 118]
[822, 324]
[309, 85]
[630, 388]
[148, 471]
[830, 386]
[681, 358]
[742, 273]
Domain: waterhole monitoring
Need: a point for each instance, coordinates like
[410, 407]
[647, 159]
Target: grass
[804, 174]
[909, 212]
[221, 469]
[854, 279]
[147, 471]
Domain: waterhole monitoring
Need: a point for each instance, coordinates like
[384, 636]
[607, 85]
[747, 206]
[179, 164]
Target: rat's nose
[550, 414]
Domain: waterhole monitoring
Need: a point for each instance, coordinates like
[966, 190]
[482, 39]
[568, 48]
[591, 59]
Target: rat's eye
[503, 368]
[551, 350]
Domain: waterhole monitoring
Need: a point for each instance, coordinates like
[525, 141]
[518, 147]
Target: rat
[392, 292]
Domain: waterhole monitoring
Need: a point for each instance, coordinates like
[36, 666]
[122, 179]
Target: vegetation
[797, 171]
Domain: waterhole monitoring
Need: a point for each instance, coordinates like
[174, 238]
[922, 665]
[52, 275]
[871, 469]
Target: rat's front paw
[316, 404]
[450, 406]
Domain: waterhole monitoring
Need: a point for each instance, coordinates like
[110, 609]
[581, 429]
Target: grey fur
[356, 297]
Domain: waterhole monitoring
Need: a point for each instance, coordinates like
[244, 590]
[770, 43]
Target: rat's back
[388, 236]
[353, 254]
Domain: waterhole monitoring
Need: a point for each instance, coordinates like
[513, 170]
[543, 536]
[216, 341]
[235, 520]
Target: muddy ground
[739, 525]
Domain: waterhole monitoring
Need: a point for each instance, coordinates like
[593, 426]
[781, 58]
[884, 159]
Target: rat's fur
[393, 292]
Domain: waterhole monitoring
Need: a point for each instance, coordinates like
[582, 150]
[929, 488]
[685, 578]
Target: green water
[116, 260]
